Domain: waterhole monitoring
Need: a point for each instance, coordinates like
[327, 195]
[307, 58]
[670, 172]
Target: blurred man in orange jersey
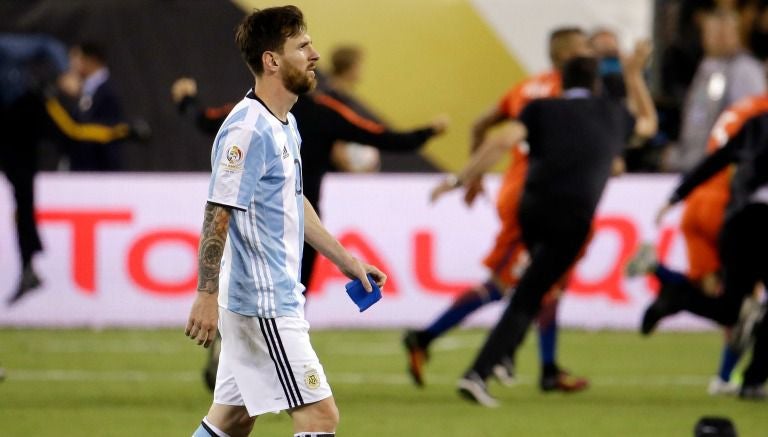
[509, 258]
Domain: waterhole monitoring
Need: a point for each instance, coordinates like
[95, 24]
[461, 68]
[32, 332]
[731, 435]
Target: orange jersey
[705, 207]
[542, 86]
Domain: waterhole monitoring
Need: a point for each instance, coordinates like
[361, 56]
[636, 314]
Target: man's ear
[270, 61]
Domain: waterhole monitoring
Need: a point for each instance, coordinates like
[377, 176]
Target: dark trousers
[744, 256]
[20, 125]
[554, 237]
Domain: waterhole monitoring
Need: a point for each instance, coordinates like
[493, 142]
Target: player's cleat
[29, 282]
[742, 333]
[212, 366]
[417, 357]
[643, 262]
[668, 302]
[505, 372]
[718, 387]
[472, 388]
[564, 382]
[754, 392]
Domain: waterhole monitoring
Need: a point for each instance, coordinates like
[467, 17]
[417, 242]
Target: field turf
[148, 383]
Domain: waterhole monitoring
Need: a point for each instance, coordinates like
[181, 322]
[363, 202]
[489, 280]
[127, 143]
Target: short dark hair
[580, 72]
[266, 30]
[559, 38]
[345, 57]
[93, 50]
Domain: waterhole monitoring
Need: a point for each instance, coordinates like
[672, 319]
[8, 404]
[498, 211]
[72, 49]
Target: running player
[742, 240]
[701, 223]
[252, 236]
[573, 142]
[509, 258]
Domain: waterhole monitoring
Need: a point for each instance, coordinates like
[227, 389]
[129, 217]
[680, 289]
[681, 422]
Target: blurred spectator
[727, 74]
[678, 36]
[640, 157]
[28, 64]
[97, 103]
[605, 45]
[346, 73]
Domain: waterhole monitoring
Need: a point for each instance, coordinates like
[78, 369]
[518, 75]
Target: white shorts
[268, 365]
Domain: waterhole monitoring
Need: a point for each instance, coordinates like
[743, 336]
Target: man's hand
[662, 212]
[472, 190]
[446, 185]
[183, 87]
[440, 124]
[636, 61]
[357, 269]
[203, 319]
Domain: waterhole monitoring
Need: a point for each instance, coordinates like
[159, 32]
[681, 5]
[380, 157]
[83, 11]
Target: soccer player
[323, 121]
[573, 142]
[701, 223]
[742, 240]
[509, 257]
[256, 220]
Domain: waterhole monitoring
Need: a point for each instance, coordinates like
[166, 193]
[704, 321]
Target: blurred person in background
[508, 258]
[97, 103]
[741, 241]
[727, 74]
[345, 74]
[573, 141]
[28, 65]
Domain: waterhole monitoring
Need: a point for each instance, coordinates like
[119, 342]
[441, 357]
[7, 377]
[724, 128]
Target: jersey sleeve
[511, 103]
[238, 163]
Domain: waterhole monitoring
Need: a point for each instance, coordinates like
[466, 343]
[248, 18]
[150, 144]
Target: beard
[297, 81]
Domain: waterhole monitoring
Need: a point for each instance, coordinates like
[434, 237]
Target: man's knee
[235, 421]
[316, 417]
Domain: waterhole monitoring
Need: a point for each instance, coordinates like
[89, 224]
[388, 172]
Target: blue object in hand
[360, 297]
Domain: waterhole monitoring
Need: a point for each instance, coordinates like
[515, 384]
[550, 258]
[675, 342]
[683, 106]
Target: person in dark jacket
[742, 246]
[97, 103]
[28, 65]
[573, 141]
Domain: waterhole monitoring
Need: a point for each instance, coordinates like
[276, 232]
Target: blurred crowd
[711, 54]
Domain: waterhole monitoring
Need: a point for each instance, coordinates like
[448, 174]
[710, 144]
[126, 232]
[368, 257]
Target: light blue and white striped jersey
[257, 171]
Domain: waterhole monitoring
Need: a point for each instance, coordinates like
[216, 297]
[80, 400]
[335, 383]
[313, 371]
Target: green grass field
[133, 382]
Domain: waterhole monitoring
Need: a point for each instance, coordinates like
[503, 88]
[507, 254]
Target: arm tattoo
[212, 239]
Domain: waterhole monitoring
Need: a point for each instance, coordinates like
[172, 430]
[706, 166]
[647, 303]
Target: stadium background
[423, 57]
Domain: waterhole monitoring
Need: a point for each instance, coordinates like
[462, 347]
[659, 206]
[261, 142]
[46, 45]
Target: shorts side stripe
[287, 363]
[209, 430]
[278, 365]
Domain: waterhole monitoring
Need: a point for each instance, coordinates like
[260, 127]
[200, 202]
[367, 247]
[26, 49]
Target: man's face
[297, 69]
[575, 46]
[605, 45]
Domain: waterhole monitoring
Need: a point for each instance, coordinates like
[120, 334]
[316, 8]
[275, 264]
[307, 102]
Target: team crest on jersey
[312, 379]
[234, 156]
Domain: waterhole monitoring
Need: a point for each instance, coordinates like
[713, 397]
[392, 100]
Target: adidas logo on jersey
[285, 152]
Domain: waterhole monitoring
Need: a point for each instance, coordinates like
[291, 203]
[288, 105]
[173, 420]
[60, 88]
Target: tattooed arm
[203, 317]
